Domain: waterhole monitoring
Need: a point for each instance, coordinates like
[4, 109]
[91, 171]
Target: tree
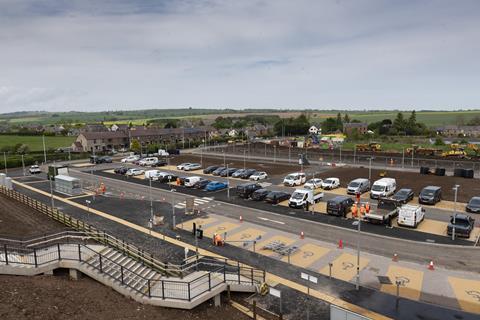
[329, 125]
[135, 146]
[346, 118]
[399, 123]
[411, 125]
[339, 122]
[439, 141]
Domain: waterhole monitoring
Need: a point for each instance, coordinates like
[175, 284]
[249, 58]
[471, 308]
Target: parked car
[430, 195]
[215, 185]
[210, 169]
[312, 184]
[383, 187]
[181, 181]
[331, 183]
[295, 179]
[275, 197]
[238, 173]
[148, 161]
[259, 175]
[120, 170]
[201, 184]
[473, 205]
[260, 194]
[190, 181]
[166, 177]
[217, 171]
[248, 173]
[410, 215]
[339, 206]
[183, 165]
[192, 166]
[135, 172]
[152, 174]
[462, 223]
[404, 195]
[245, 190]
[105, 159]
[160, 163]
[34, 169]
[130, 159]
[359, 185]
[228, 172]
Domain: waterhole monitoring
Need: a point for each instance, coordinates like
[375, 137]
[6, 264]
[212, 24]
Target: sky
[91, 55]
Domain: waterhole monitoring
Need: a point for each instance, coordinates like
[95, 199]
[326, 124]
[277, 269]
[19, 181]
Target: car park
[462, 223]
[148, 161]
[410, 215]
[152, 174]
[34, 169]
[210, 169]
[339, 206]
[430, 195]
[383, 187]
[314, 183]
[215, 185]
[384, 213]
[359, 185]
[248, 173]
[275, 197]
[330, 183]
[217, 171]
[166, 177]
[238, 173]
[134, 172]
[183, 165]
[260, 194]
[302, 198]
[294, 179]
[130, 159]
[120, 170]
[473, 205]
[228, 172]
[190, 181]
[404, 195]
[201, 184]
[245, 190]
[160, 163]
[193, 166]
[259, 175]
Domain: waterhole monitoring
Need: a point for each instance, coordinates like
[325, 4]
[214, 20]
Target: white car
[183, 165]
[294, 179]
[190, 181]
[135, 172]
[192, 166]
[130, 159]
[260, 175]
[330, 183]
[148, 161]
[313, 184]
[34, 169]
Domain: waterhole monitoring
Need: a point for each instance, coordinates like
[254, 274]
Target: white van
[148, 161]
[152, 174]
[304, 197]
[384, 187]
[295, 179]
[190, 181]
[410, 215]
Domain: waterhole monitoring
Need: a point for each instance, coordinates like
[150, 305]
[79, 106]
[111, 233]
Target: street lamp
[455, 188]
[357, 282]
[173, 209]
[151, 203]
[369, 169]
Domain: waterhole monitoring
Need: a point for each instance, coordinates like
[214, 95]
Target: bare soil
[415, 181]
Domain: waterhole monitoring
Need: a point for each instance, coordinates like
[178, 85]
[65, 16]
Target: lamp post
[455, 188]
[23, 165]
[44, 150]
[173, 208]
[228, 184]
[274, 153]
[151, 203]
[5, 161]
[357, 281]
[244, 159]
[224, 160]
[403, 158]
[370, 169]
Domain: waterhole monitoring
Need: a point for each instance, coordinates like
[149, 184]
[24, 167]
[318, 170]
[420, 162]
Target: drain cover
[384, 280]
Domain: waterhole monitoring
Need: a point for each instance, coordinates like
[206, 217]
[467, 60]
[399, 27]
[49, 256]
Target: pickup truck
[463, 225]
[386, 210]
[301, 198]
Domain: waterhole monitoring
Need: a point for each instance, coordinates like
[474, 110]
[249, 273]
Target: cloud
[63, 55]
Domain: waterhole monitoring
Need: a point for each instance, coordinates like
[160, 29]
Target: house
[96, 127]
[361, 127]
[232, 133]
[453, 130]
[119, 127]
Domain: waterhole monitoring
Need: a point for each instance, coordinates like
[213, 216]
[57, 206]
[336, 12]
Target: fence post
[6, 253]
[209, 282]
[58, 249]
[224, 274]
[121, 273]
[163, 290]
[238, 270]
[149, 289]
[101, 269]
[35, 257]
[251, 273]
[79, 253]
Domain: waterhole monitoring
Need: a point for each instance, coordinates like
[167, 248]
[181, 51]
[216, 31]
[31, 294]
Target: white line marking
[274, 221]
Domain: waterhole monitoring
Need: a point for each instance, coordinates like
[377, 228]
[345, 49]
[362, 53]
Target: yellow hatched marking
[345, 267]
[411, 282]
[467, 292]
[307, 255]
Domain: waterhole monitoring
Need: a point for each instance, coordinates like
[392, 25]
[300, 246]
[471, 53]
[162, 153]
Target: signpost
[308, 278]
[277, 293]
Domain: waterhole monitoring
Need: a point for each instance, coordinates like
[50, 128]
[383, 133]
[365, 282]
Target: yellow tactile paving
[345, 266]
[307, 255]
[467, 293]
[188, 225]
[220, 228]
[287, 241]
[412, 282]
[249, 234]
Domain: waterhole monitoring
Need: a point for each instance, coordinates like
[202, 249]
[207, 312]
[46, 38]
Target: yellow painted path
[411, 279]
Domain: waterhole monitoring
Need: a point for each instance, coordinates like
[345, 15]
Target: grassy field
[35, 142]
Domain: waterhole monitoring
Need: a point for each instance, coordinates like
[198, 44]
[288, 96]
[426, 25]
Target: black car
[247, 173]
[217, 171]
[275, 197]
[210, 169]
[160, 163]
[339, 206]
[463, 225]
[404, 195]
[201, 184]
[167, 178]
[228, 172]
[473, 205]
[430, 195]
[260, 194]
[121, 170]
[245, 190]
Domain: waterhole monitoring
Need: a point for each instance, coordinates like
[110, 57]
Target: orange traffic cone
[395, 257]
[302, 235]
[340, 244]
[430, 266]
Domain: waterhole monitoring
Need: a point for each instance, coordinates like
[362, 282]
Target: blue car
[215, 185]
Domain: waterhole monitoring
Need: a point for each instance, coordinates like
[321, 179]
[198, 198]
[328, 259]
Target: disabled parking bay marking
[188, 225]
[411, 280]
[467, 292]
[307, 255]
[345, 266]
[287, 241]
[220, 228]
[249, 234]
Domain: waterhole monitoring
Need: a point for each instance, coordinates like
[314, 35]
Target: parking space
[467, 292]
[245, 237]
[200, 222]
[411, 282]
[221, 228]
[307, 255]
[287, 241]
[344, 267]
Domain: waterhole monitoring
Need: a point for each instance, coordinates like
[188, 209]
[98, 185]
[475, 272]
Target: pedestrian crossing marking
[197, 202]
[411, 279]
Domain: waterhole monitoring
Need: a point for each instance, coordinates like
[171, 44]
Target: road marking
[345, 267]
[467, 292]
[307, 255]
[220, 228]
[411, 279]
[274, 221]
